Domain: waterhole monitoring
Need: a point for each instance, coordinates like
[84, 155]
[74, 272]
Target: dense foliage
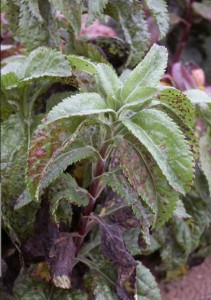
[106, 159]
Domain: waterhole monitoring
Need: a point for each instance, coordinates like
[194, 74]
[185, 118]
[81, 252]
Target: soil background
[196, 285]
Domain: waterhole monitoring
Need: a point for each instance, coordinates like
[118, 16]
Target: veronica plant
[136, 138]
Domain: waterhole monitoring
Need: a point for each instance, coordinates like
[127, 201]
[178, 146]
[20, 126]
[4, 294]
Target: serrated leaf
[179, 103]
[108, 83]
[45, 143]
[137, 172]
[120, 185]
[167, 197]
[44, 62]
[78, 105]
[148, 72]
[72, 10]
[66, 188]
[134, 26]
[95, 9]
[33, 31]
[8, 79]
[82, 64]
[164, 140]
[146, 286]
[205, 157]
[158, 9]
[60, 162]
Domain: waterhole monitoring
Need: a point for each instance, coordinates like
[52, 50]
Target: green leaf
[78, 105]
[108, 83]
[60, 162]
[158, 9]
[138, 98]
[121, 186]
[205, 157]
[66, 188]
[36, 26]
[81, 64]
[98, 287]
[72, 11]
[146, 286]
[137, 172]
[164, 140]
[134, 26]
[44, 62]
[198, 96]
[179, 103]
[148, 72]
[95, 9]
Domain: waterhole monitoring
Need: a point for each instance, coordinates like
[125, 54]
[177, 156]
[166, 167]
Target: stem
[185, 36]
[94, 192]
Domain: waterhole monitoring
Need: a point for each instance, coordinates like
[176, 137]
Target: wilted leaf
[61, 257]
[126, 282]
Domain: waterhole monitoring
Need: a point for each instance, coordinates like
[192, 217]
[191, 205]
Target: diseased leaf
[137, 173]
[158, 9]
[44, 145]
[95, 9]
[146, 286]
[72, 11]
[60, 162]
[121, 186]
[78, 105]
[98, 287]
[82, 64]
[179, 104]
[62, 256]
[112, 244]
[66, 188]
[108, 83]
[126, 282]
[148, 72]
[134, 26]
[164, 140]
[205, 157]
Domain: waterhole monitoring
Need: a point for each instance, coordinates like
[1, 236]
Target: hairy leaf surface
[95, 9]
[78, 105]
[164, 140]
[82, 64]
[158, 10]
[148, 72]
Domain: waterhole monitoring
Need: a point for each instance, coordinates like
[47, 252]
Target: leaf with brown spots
[178, 103]
[137, 173]
[126, 282]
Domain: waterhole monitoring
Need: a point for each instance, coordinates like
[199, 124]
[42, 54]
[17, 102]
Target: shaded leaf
[203, 9]
[79, 63]
[146, 286]
[95, 9]
[205, 157]
[134, 27]
[126, 282]
[72, 11]
[148, 72]
[158, 10]
[165, 144]
[112, 244]
[61, 256]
